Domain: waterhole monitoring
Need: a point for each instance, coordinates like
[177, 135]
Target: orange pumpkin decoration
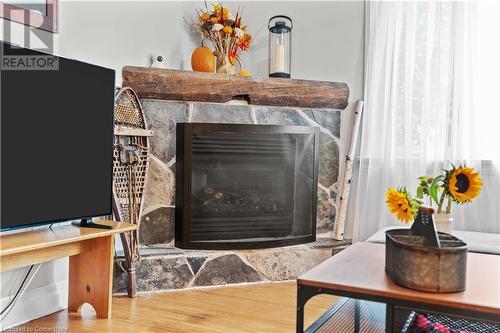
[203, 60]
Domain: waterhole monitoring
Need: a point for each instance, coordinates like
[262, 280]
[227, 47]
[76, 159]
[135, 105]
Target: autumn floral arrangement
[458, 185]
[227, 33]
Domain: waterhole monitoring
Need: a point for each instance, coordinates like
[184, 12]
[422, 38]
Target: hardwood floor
[257, 308]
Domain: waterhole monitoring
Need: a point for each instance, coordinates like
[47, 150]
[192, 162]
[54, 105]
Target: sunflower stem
[441, 201]
[448, 206]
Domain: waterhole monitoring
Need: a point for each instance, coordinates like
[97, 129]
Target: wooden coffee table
[359, 272]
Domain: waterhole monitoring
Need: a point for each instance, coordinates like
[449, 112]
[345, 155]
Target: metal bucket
[412, 265]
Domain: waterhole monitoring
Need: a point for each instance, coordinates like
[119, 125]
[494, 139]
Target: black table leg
[304, 294]
[357, 315]
[300, 310]
[389, 318]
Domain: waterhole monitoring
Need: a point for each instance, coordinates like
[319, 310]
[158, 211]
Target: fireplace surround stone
[165, 267]
[162, 117]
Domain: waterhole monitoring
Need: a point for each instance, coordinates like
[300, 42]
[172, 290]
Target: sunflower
[401, 204]
[463, 184]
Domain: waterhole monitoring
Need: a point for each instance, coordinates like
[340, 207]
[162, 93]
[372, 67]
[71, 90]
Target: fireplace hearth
[245, 186]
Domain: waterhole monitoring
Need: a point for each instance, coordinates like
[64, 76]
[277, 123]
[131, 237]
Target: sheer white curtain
[432, 96]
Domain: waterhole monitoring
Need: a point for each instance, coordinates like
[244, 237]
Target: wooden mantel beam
[220, 88]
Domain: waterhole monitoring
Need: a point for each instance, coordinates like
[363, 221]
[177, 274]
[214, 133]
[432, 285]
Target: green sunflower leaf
[420, 192]
[433, 191]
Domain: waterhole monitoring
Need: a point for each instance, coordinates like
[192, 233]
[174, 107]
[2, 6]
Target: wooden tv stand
[90, 252]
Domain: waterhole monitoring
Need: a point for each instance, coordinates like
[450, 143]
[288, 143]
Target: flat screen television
[56, 142]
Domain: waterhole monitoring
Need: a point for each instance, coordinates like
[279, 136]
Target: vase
[224, 66]
[443, 222]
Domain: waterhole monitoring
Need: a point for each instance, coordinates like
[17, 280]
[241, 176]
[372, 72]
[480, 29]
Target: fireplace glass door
[245, 186]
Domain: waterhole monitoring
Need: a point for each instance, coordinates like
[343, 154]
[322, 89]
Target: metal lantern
[280, 46]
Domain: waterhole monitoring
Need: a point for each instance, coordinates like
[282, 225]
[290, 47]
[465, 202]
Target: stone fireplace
[245, 186]
[236, 192]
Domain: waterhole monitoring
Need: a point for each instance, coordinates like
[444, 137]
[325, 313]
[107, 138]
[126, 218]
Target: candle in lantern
[279, 58]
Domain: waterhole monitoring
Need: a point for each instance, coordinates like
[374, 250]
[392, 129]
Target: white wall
[328, 43]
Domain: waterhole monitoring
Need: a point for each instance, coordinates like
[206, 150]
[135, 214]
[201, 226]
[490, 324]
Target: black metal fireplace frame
[183, 185]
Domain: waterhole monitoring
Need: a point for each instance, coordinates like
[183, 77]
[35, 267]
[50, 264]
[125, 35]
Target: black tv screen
[56, 142]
